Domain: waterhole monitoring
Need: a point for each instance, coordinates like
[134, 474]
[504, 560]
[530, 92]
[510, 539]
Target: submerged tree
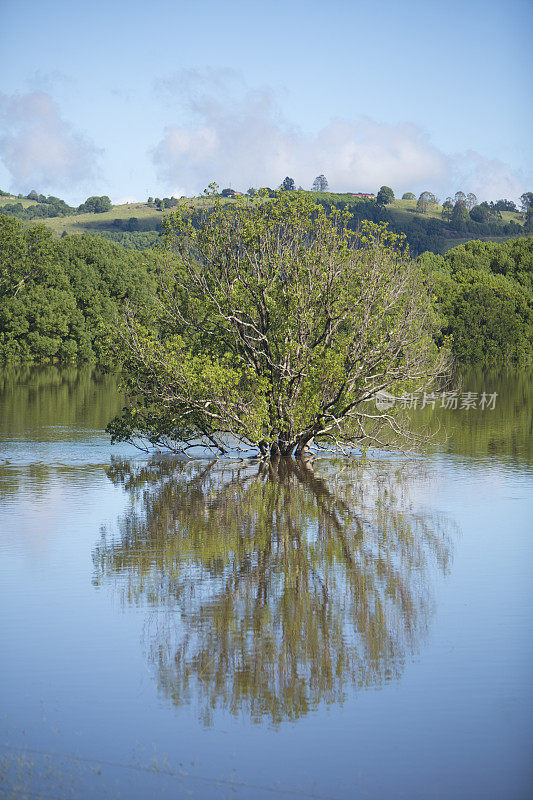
[275, 326]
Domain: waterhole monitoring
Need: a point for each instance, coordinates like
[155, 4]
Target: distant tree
[385, 196]
[320, 184]
[506, 205]
[471, 200]
[528, 224]
[447, 209]
[527, 201]
[96, 205]
[424, 201]
[485, 213]
[251, 192]
[32, 195]
[408, 196]
[460, 197]
[150, 200]
[228, 193]
[460, 216]
[288, 184]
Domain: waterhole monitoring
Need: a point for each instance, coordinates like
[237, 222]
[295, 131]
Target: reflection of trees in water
[276, 589]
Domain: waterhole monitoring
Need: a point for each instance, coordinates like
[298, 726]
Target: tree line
[57, 298]
[52, 206]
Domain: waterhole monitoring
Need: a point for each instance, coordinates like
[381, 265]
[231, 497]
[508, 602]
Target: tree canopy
[276, 325]
[485, 293]
[96, 205]
[58, 297]
[385, 196]
[320, 184]
[288, 184]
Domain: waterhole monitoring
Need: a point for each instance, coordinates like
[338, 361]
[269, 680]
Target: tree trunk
[303, 444]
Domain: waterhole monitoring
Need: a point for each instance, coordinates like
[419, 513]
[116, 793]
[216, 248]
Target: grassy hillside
[424, 231]
[148, 216]
[11, 199]
[399, 209]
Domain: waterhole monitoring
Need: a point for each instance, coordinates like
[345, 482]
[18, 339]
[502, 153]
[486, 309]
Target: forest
[59, 298]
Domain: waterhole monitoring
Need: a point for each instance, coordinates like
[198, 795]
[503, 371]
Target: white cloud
[236, 136]
[489, 179]
[38, 147]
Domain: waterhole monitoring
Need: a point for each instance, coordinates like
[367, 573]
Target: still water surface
[213, 630]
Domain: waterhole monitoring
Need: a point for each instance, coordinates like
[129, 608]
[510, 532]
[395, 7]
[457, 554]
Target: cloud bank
[38, 147]
[235, 135]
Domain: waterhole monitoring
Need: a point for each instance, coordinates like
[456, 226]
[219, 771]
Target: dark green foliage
[460, 216]
[484, 292]
[485, 213]
[408, 196]
[288, 184]
[45, 207]
[58, 298]
[447, 210]
[506, 205]
[140, 240]
[96, 205]
[385, 196]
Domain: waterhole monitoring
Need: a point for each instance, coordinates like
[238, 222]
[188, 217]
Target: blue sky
[134, 99]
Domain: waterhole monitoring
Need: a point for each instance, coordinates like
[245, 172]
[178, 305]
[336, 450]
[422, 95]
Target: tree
[424, 201]
[526, 200]
[485, 213]
[320, 184]
[506, 205]
[471, 200]
[251, 192]
[96, 205]
[288, 184]
[460, 197]
[460, 216]
[408, 196]
[276, 326]
[385, 196]
[447, 209]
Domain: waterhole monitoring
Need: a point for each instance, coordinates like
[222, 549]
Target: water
[335, 630]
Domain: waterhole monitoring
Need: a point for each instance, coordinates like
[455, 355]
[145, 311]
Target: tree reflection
[276, 588]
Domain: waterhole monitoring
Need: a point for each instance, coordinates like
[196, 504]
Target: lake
[334, 629]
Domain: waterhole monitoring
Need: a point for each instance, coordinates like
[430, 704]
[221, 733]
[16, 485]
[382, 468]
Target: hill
[137, 224]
